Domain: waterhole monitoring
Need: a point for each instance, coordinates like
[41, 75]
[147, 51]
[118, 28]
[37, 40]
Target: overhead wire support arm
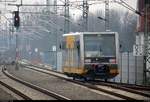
[8, 1]
[33, 5]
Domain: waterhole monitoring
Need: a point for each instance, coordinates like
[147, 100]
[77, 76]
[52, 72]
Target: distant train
[91, 55]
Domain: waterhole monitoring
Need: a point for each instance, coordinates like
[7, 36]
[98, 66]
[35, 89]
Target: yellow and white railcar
[90, 55]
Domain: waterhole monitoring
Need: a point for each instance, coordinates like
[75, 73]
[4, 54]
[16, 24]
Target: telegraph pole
[55, 31]
[85, 15]
[66, 25]
[106, 15]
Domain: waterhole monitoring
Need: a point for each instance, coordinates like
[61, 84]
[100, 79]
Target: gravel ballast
[5, 95]
[62, 87]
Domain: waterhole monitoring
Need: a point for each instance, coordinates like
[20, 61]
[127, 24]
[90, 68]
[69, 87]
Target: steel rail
[42, 90]
[125, 88]
[88, 85]
[15, 91]
[133, 86]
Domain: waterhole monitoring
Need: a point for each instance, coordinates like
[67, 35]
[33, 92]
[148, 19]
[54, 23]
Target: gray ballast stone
[59, 86]
[5, 96]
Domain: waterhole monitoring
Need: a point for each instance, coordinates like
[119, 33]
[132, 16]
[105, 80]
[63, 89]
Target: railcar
[90, 55]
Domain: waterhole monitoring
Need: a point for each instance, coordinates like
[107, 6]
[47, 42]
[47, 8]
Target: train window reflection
[99, 46]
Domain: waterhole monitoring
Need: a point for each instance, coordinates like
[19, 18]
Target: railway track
[49, 95]
[25, 97]
[132, 86]
[123, 86]
[136, 89]
[95, 86]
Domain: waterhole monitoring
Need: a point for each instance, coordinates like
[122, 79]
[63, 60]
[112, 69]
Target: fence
[130, 69]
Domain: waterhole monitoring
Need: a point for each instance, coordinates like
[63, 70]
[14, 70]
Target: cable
[9, 1]
[126, 7]
[129, 7]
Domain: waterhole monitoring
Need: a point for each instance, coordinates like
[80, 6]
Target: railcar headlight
[87, 60]
[112, 60]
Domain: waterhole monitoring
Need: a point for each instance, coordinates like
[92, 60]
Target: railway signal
[16, 19]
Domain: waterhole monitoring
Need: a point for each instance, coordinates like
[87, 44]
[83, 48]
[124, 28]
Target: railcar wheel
[91, 75]
[74, 78]
[85, 78]
[93, 78]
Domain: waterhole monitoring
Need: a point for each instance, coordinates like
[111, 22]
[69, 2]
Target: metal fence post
[135, 70]
[121, 68]
[128, 68]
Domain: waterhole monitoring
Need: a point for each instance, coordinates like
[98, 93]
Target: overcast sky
[130, 2]
[74, 12]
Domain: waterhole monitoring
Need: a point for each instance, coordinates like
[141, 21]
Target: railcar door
[71, 56]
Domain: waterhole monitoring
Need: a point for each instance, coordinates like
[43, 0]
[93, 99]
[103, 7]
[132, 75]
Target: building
[143, 34]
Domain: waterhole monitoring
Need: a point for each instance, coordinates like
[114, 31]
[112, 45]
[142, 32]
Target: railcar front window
[99, 45]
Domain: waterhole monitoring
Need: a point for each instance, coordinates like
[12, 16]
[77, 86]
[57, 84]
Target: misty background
[43, 29]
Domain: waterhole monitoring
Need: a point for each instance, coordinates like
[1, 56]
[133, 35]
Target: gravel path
[67, 89]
